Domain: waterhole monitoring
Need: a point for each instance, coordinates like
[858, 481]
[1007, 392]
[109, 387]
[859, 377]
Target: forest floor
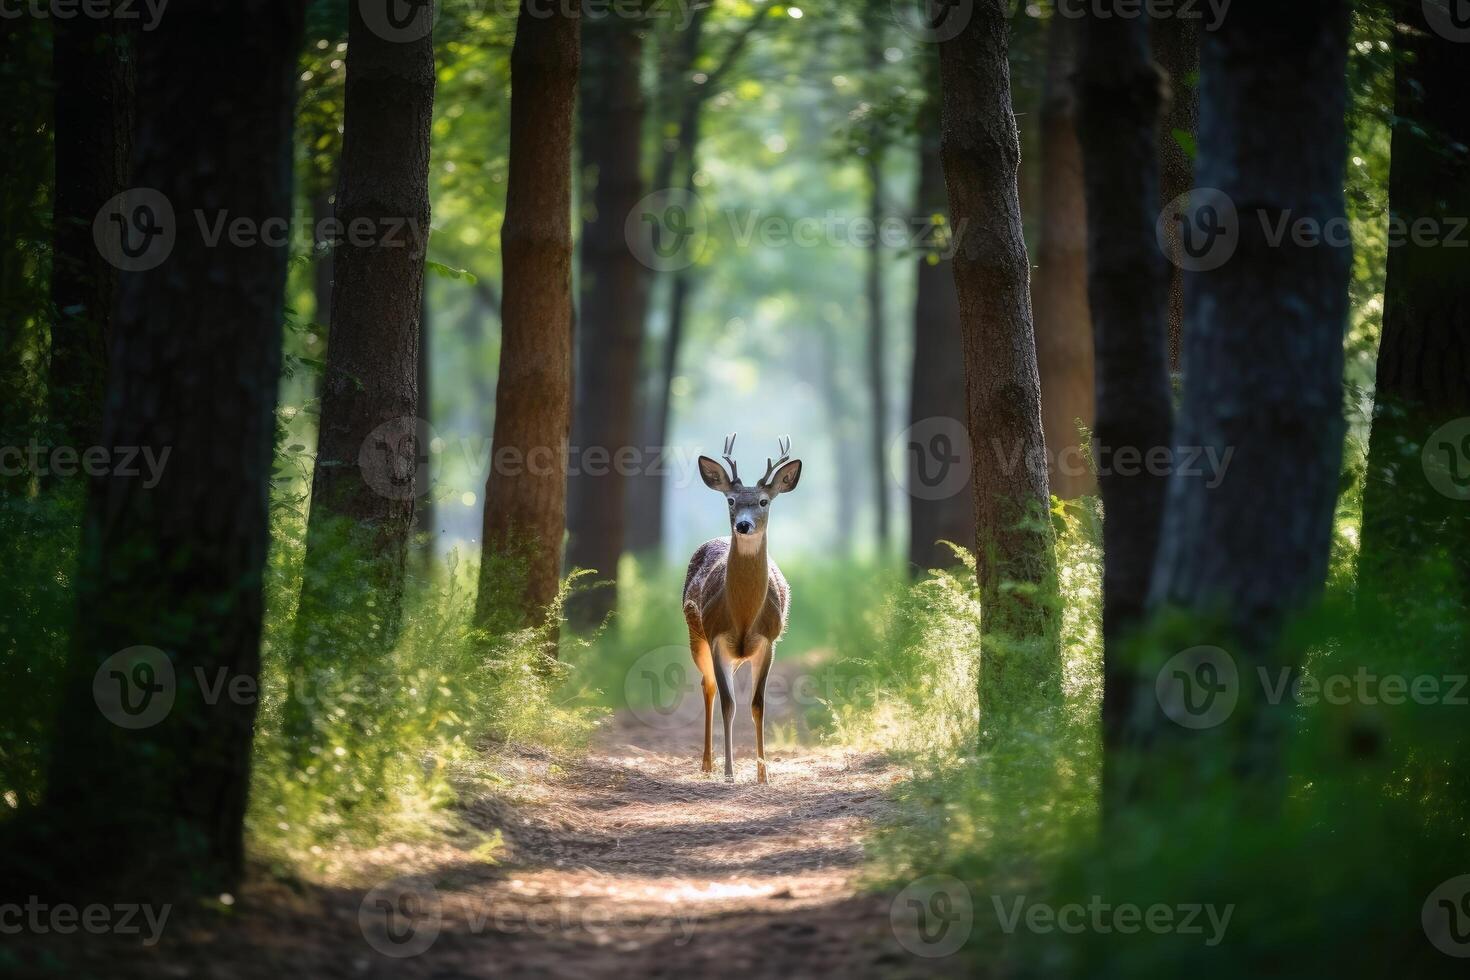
[624, 861]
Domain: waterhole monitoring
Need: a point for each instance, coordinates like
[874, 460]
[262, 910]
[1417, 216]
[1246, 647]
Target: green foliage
[1324, 875]
[388, 735]
[39, 537]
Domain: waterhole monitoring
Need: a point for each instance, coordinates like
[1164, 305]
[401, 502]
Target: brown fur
[753, 605]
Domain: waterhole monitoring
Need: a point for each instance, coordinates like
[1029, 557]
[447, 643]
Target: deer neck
[746, 577]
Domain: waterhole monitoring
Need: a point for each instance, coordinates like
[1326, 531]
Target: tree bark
[178, 566]
[1021, 660]
[873, 295]
[611, 311]
[1264, 359]
[937, 386]
[1118, 91]
[1176, 48]
[525, 497]
[94, 79]
[371, 443]
[25, 166]
[322, 213]
[1423, 378]
[675, 163]
[1059, 291]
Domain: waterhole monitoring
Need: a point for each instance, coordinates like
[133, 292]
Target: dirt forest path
[626, 862]
[632, 862]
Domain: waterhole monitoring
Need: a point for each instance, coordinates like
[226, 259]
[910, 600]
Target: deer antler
[785, 444]
[729, 453]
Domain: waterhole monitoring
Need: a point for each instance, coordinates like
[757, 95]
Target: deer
[736, 599]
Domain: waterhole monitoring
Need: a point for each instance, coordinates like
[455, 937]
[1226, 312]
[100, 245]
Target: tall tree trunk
[170, 580]
[1176, 48]
[1264, 359]
[371, 443]
[426, 513]
[991, 270]
[322, 212]
[1118, 95]
[611, 317]
[873, 294]
[938, 510]
[675, 167]
[25, 166]
[94, 79]
[1063, 328]
[839, 412]
[1410, 513]
[525, 503]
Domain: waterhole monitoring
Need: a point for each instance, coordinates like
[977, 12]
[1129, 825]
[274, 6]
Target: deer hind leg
[725, 682]
[762, 656]
[700, 648]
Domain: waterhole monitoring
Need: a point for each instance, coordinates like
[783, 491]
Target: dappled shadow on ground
[628, 861]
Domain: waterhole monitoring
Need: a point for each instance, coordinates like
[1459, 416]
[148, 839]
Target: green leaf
[449, 272]
[1185, 139]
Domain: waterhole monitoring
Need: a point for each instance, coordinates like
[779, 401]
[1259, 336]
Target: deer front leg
[763, 655]
[725, 680]
[707, 683]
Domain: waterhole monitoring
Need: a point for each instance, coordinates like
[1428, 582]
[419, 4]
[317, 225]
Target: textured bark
[426, 513]
[525, 503]
[1118, 90]
[322, 213]
[1176, 48]
[1424, 356]
[25, 166]
[1059, 291]
[178, 566]
[611, 310]
[94, 78]
[1264, 362]
[937, 386]
[367, 476]
[991, 270]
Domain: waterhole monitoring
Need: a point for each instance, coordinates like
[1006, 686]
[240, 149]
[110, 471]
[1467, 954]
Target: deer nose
[744, 527]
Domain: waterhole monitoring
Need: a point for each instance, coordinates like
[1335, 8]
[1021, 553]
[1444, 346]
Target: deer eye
[765, 502]
[731, 500]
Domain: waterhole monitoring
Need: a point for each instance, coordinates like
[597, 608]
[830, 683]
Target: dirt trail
[626, 862]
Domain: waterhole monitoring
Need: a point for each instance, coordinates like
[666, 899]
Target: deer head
[751, 506]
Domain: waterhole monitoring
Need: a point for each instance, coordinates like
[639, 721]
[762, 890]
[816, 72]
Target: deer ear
[713, 474]
[785, 479]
